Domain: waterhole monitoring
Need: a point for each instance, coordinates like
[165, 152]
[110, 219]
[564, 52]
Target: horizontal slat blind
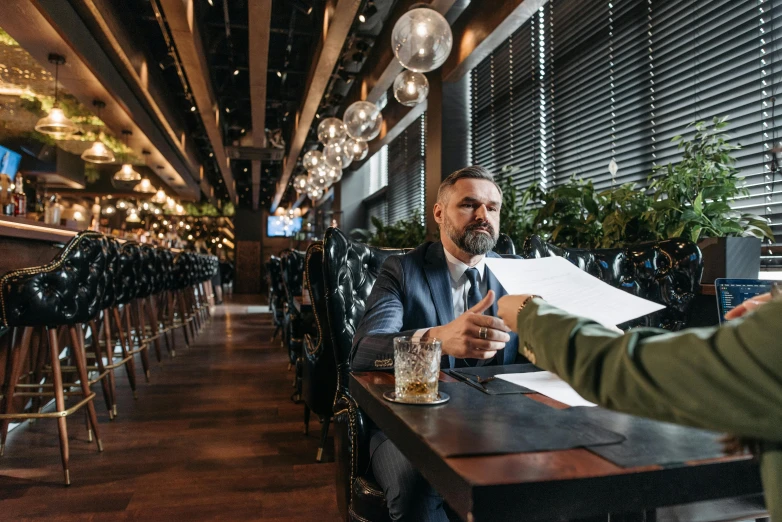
[406, 163]
[378, 208]
[620, 79]
[505, 109]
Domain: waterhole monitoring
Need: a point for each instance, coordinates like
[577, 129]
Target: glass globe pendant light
[410, 88]
[333, 175]
[312, 159]
[56, 124]
[300, 183]
[337, 155]
[363, 120]
[126, 173]
[421, 39]
[98, 153]
[358, 148]
[331, 130]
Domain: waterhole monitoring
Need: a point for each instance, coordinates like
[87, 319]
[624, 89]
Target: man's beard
[471, 240]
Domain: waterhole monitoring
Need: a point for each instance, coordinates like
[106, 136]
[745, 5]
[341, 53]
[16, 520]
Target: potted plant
[692, 199]
[406, 233]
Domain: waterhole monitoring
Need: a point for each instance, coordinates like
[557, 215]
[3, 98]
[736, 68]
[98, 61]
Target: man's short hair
[471, 172]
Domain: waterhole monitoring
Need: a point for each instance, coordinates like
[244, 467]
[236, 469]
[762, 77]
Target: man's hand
[461, 337]
[748, 306]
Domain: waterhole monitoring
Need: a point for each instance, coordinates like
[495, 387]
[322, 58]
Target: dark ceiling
[295, 31]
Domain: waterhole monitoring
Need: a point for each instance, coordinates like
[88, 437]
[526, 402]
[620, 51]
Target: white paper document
[566, 286]
[548, 384]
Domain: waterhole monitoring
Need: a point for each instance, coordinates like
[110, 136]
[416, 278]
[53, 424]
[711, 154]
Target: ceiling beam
[179, 16]
[481, 28]
[45, 26]
[260, 18]
[339, 21]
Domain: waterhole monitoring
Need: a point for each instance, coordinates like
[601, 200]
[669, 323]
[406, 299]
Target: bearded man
[440, 290]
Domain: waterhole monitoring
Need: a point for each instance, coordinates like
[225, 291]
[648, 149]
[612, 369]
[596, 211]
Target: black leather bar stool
[180, 280]
[102, 327]
[145, 311]
[65, 293]
[134, 284]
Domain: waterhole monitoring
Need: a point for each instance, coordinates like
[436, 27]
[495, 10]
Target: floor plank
[213, 436]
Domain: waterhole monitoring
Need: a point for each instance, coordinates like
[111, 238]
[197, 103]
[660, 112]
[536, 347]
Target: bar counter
[25, 243]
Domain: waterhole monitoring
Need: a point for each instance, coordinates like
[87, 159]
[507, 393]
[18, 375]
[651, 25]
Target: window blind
[406, 165]
[623, 79]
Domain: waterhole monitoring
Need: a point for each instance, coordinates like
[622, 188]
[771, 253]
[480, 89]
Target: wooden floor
[213, 436]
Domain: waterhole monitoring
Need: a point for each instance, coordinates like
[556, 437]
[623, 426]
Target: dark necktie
[473, 298]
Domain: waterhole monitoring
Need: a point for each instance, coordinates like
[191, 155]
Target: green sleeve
[727, 379]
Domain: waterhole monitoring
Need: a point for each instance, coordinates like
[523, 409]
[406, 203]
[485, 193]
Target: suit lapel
[438, 279]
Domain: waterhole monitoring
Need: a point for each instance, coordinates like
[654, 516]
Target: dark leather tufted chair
[301, 320]
[666, 272]
[67, 292]
[319, 370]
[350, 269]
[276, 294]
[505, 245]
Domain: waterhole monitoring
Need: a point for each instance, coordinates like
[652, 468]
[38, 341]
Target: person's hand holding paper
[565, 286]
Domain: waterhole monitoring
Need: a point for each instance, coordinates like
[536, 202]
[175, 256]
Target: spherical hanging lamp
[300, 183]
[331, 130]
[421, 39]
[357, 148]
[333, 175]
[410, 88]
[363, 120]
[56, 124]
[337, 155]
[312, 159]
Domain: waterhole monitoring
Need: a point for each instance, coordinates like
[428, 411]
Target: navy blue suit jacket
[413, 291]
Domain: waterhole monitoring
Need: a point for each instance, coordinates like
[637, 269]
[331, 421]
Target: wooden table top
[551, 485]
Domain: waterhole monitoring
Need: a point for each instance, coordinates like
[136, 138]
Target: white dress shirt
[460, 286]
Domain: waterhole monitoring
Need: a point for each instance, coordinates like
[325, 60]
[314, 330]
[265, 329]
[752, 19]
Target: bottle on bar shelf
[20, 198]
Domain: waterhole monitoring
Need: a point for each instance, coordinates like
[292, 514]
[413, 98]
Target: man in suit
[439, 290]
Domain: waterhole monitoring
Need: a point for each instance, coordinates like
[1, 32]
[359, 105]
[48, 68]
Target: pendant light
[98, 153]
[160, 197]
[56, 124]
[126, 173]
[145, 187]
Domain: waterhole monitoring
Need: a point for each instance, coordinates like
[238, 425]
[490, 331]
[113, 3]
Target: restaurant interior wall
[582, 83]
[354, 186]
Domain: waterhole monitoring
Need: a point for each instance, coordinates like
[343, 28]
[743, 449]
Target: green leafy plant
[406, 233]
[519, 208]
[691, 198]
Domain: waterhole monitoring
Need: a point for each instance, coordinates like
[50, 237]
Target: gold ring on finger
[483, 332]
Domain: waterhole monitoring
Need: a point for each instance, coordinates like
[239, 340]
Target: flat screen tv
[9, 162]
[281, 226]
